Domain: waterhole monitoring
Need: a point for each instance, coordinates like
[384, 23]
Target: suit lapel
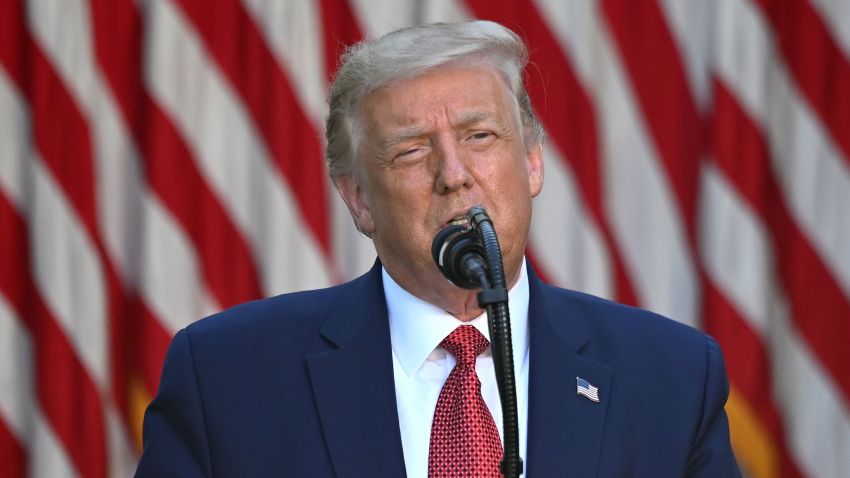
[353, 385]
[355, 393]
[564, 429]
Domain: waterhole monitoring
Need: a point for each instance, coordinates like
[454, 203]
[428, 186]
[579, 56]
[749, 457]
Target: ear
[534, 163]
[352, 193]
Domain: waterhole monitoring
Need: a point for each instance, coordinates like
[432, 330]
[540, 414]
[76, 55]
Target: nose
[452, 167]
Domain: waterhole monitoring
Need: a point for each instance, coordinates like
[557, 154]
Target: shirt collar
[417, 327]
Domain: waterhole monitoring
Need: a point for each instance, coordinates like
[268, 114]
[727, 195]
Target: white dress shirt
[421, 366]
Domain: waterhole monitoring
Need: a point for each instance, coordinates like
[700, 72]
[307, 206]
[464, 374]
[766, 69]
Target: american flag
[162, 159]
[583, 387]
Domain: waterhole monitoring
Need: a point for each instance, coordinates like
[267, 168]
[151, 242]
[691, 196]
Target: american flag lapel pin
[583, 387]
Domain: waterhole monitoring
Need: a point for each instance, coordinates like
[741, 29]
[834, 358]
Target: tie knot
[465, 343]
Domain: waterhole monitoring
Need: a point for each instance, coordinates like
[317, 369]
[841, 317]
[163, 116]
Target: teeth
[462, 221]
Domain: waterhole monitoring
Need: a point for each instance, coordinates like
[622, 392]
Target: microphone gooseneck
[470, 257]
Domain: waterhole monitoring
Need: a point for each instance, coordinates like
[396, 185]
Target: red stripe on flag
[59, 129]
[139, 351]
[13, 456]
[68, 396]
[567, 113]
[817, 304]
[749, 369]
[817, 63]
[663, 93]
[677, 129]
[340, 29]
[62, 137]
[236, 44]
[226, 260]
[150, 347]
[229, 268]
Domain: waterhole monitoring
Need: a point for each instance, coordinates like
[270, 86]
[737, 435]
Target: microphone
[460, 256]
[470, 257]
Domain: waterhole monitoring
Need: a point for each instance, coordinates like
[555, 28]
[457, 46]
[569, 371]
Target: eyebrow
[403, 135]
[411, 132]
[470, 117]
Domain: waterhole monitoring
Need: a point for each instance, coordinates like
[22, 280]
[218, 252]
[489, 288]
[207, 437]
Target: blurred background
[163, 159]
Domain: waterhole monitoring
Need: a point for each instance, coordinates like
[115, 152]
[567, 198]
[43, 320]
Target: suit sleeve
[174, 431]
[711, 454]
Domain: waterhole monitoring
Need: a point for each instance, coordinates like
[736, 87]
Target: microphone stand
[493, 298]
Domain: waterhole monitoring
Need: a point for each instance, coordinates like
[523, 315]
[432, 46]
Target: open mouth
[458, 221]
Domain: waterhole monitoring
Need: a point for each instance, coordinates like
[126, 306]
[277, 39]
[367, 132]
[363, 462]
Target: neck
[464, 304]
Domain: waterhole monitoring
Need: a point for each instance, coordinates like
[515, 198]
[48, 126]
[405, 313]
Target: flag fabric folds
[161, 160]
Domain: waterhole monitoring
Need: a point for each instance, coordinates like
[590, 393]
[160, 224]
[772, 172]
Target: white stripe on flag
[18, 405]
[172, 282]
[565, 235]
[298, 48]
[816, 417]
[443, 11]
[17, 390]
[63, 28]
[639, 204]
[121, 454]
[740, 260]
[814, 178]
[377, 17]
[67, 270]
[123, 197]
[15, 148]
[230, 154]
[735, 249]
[48, 458]
[692, 25]
[69, 274]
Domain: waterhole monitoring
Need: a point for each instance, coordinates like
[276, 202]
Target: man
[349, 381]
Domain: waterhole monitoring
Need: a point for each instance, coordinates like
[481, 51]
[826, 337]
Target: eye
[480, 135]
[480, 140]
[407, 152]
[412, 153]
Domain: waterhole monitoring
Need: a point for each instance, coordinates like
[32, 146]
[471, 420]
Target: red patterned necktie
[464, 438]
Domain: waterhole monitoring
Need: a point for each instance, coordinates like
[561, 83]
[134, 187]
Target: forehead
[448, 94]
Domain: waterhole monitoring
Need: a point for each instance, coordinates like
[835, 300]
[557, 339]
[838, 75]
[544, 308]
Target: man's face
[432, 147]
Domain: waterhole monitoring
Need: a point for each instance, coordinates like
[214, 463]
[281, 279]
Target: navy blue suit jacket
[301, 385]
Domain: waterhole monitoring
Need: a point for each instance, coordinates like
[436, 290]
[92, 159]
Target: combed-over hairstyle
[410, 52]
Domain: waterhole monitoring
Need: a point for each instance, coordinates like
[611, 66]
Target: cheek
[401, 198]
[512, 177]
[410, 183]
